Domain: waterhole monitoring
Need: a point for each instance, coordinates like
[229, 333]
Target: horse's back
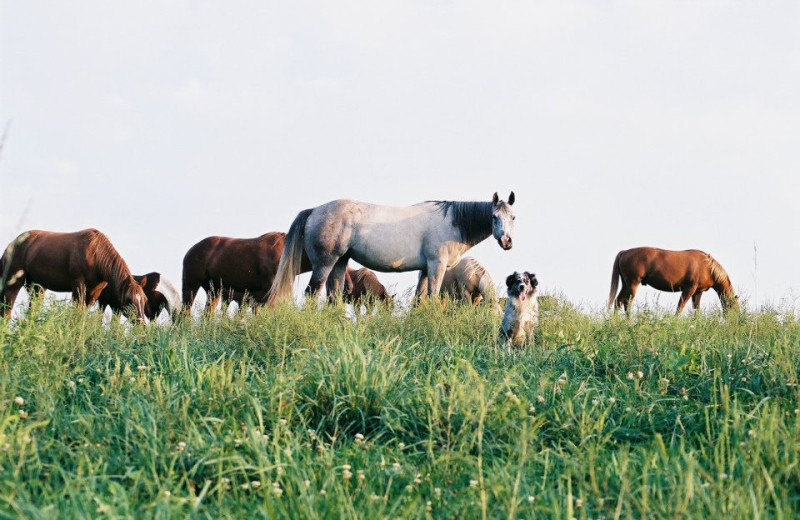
[244, 264]
[221, 248]
[464, 275]
[51, 246]
[663, 269]
[384, 238]
[54, 259]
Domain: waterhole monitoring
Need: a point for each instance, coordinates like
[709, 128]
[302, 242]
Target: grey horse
[429, 237]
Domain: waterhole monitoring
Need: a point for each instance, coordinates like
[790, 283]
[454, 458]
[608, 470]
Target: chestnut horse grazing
[228, 268]
[83, 262]
[363, 286]
[160, 293]
[428, 237]
[689, 272]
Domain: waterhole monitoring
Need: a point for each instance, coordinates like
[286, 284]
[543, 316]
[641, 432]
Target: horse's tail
[615, 276]
[6, 277]
[291, 259]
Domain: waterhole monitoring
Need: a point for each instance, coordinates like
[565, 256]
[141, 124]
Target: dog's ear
[510, 280]
[532, 278]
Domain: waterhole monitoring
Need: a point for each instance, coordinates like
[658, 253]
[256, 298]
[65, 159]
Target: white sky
[617, 123]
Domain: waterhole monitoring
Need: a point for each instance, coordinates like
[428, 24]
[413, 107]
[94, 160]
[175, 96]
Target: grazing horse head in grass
[689, 272]
[159, 292]
[363, 286]
[470, 281]
[428, 237]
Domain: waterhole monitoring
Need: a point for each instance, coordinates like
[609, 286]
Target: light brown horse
[689, 272]
[228, 268]
[83, 262]
[361, 286]
[469, 281]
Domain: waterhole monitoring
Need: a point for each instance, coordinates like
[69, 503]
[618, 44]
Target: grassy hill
[302, 413]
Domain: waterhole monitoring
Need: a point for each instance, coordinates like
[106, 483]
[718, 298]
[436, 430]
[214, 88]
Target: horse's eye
[513, 217]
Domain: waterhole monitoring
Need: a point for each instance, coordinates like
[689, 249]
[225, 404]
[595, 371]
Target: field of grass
[302, 413]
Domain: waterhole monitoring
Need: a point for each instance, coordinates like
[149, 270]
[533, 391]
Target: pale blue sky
[617, 124]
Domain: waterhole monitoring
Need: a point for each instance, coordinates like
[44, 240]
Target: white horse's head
[503, 221]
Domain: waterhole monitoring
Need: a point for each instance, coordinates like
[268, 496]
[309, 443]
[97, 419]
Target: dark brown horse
[689, 272]
[160, 293]
[228, 268]
[83, 262]
[361, 286]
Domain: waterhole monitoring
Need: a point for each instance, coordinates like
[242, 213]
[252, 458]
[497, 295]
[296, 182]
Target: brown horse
[689, 272]
[228, 268]
[361, 286]
[83, 262]
[160, 293]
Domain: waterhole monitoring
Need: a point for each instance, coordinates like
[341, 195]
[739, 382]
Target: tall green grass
[304, 413]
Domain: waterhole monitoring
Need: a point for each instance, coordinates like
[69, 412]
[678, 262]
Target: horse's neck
[723, 290]
[471, 220]
[121, 286]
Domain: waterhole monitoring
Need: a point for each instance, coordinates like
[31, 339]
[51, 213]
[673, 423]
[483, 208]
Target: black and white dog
[522, 309]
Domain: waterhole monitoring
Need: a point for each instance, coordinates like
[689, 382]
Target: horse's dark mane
[110, 263]
[473, 219]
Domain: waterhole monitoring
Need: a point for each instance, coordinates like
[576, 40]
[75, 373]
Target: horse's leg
[35, 291]
[422, 284]
[626, 296]
[214, 300]
[436, 270]
[94, 294]
[9, 296]
[685, 295]
[79, 294]
[696, 299]
[319, 277]
[189, 292]
[622, 298]
[213, 297]
[337, 280]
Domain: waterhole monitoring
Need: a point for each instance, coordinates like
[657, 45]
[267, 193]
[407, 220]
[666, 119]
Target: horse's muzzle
[505, 242]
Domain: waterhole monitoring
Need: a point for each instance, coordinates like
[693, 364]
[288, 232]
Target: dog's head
[522, 285]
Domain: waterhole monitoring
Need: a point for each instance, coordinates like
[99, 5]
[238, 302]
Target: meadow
[303, 413]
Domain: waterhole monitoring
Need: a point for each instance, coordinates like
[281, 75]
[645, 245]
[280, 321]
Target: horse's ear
[143, 281]
[511, 199]
[495, 199]
[510, 279]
